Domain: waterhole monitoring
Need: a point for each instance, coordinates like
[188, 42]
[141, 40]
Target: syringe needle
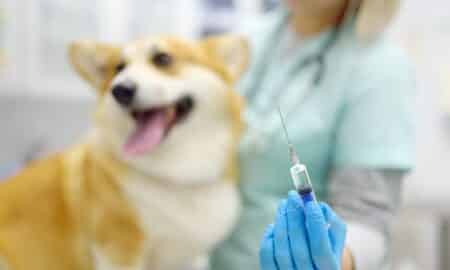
[292, 154]
[284, 126]
[299, 173]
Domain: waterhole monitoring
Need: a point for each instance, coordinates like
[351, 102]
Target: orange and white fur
[152, 185]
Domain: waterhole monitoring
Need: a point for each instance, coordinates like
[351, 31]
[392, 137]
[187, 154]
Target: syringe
[299, 172]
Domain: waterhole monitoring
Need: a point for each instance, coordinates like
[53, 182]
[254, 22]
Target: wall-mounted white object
[8, 36]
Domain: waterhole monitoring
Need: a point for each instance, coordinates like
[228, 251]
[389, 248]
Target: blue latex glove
[300, 240]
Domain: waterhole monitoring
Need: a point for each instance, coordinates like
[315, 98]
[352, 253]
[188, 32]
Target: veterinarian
[346, 93]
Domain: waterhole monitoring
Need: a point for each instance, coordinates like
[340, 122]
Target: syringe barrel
[300, 176]
[302, 182]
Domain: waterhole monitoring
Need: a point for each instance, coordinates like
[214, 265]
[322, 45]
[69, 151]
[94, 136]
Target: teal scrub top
[354, 110]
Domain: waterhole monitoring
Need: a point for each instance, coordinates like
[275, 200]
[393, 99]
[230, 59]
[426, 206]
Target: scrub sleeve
[375, 132]
[375, 127]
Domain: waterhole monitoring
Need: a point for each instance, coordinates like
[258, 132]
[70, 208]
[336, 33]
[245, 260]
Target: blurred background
[44, 106]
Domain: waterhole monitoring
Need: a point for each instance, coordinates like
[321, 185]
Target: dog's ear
[232, 50]
[95, 62]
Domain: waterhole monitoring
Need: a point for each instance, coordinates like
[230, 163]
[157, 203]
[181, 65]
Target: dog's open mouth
[154, 124]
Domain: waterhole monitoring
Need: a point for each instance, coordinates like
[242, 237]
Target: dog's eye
[162, 59]
[121, 66]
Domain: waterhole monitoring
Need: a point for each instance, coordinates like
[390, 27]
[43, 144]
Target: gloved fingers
[297, 232]
[338, 229]
[281, 241]
[266, 252]
[319, 240]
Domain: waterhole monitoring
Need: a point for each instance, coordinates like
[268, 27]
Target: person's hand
[310, 237]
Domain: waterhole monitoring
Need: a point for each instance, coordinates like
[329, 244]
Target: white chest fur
[182, 222]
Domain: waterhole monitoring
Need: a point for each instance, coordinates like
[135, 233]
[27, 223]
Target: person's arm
[348, 263]
[367, 199]
[373, 149]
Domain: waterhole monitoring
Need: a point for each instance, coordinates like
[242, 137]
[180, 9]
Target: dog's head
[165, 105]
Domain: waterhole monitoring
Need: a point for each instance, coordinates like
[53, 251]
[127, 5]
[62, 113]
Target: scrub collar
[313, 49]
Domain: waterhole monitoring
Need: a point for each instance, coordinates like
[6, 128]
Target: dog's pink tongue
[149, 133]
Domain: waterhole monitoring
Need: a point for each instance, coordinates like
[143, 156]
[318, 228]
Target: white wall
[423, 28]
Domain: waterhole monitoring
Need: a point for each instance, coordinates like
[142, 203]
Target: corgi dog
[152, 185]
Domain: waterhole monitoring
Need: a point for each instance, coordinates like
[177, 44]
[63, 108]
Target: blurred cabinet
[52, 25]
[8, 34]
[34, 36]
[219, 16]
[34, 33]
[163, 16]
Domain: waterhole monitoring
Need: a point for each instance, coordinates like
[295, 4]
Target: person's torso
[309, 94]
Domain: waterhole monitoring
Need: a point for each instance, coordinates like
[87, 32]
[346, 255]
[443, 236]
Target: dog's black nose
[124, 93]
